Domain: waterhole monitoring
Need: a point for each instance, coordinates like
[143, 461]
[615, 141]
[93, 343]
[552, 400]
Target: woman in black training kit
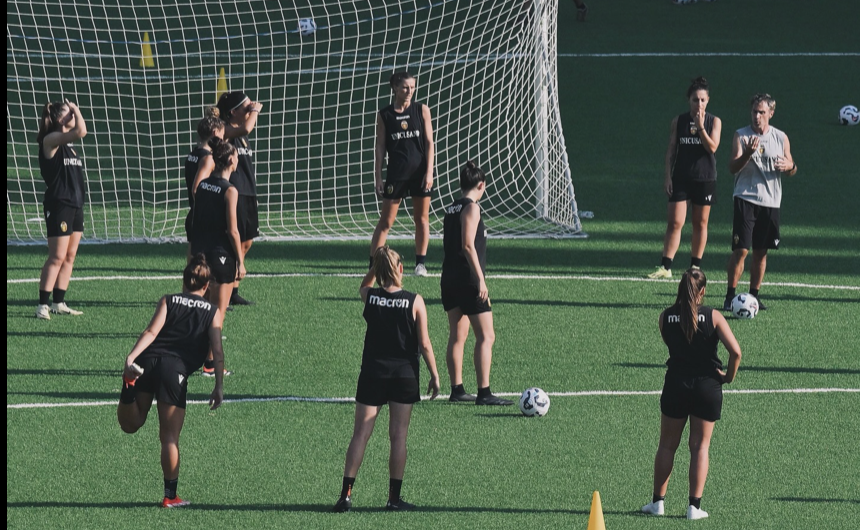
[63, 172]
[404, 131]
[692, 388]
[464, 292]
[199, 164]
[240, 117]
[172, 347]
[396, 337]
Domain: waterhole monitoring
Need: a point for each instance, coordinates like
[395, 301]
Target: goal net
[143, 75]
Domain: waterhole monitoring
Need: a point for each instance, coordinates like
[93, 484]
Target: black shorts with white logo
[377, 391]
[754, 226]
[700, 193]
[247, 218]
[464, 297]
[61, 220]
[699, 396]
[165, 377]
[222, 265]
[399, 189]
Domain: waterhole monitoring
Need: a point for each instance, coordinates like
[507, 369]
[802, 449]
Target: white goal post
[143, 75]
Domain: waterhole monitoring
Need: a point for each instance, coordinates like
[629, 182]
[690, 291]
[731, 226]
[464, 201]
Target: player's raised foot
[461, 398]
[654, 508]
[694, 513]
[399, 506]
[727, 304]
[238, 300]
[63, 309]
[210, 372]
[492, 400]
[420, 270]
[43, 311]
[581, 12]
[761, 306]
[175, 502]
[661, 273]
[344, 504]
[136, 371]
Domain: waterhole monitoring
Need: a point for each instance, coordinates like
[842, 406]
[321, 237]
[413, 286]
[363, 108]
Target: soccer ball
[744, 305]
[307, 27]
[534, 402]
[849, 115]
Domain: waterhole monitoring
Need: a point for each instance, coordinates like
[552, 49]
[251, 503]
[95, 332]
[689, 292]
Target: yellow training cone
[595, 520]
[221, 88]
[146, 53]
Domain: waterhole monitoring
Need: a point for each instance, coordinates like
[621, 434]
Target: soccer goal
[143, 75]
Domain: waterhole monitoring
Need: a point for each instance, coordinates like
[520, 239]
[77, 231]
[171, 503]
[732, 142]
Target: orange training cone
[595, 520]
[146, 53]
[221, 87]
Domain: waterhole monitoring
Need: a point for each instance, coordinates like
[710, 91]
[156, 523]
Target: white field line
[583, 393]
[489, 276]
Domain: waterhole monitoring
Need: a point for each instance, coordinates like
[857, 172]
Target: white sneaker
[420, 270]
[694, 513]
[63, 309]
[660, 273]
[43, 311]
[654, 508]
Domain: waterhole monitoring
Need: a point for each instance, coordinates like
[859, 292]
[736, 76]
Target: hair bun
[212, 112]
[470, 164]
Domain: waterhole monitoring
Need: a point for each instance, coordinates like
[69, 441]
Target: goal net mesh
[143, 75]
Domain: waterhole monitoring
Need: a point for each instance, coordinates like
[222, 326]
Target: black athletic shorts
[222, 264]
[699, 396]
[399, 189]
[61, 220]
[465, 297]
[754, 226]
[376, 391]
[247, 218]
[699, 193]
[165, 377]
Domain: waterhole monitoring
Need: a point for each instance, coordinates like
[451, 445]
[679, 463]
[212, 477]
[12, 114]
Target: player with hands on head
[240, 117]
[761, 155]
[691, 176]
[692, 388]
[465, 296]
[182, 331]
[404, 131]
[62, 170]
[396, 336]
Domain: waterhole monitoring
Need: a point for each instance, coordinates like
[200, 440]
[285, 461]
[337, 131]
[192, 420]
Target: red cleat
[173, 503]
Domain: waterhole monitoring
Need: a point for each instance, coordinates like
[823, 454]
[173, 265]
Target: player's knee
[129, 427]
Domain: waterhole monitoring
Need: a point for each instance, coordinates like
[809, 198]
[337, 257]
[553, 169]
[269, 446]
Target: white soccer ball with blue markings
[534, 402]
[849, 115]
[744, 305]
[307, 27]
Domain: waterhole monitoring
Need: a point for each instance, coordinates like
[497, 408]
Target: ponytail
[222, 150]
[692, 283]
[50, 118]
[196, 274]
[470, 176]
[385, 267]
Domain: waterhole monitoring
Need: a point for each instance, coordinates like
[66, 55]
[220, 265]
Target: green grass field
[569, 318]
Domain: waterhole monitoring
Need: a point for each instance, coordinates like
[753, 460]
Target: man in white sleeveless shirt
[761, 155]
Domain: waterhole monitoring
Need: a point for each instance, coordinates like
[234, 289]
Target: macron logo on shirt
[400, 303]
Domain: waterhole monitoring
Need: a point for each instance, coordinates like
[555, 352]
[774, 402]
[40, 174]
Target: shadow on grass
[510, 301]
[814, 500]
[746, 368]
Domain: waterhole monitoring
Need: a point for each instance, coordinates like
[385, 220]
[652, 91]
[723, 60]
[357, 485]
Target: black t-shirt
[696, 358]
[404, 142]
[209, 230]
[693, 161]
[455, 267]
[391, 340]
[185, 333]
[244, 178]
[64, 175]
[192, 165]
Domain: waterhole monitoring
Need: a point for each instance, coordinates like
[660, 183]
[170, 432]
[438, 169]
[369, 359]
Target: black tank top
[244, 178]
[693, 161]
[185, 333]
[391, 340]
[696, 358]
[209, 229]
[404, 142]
[455, 267]
[64, 175]
[192, 165]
